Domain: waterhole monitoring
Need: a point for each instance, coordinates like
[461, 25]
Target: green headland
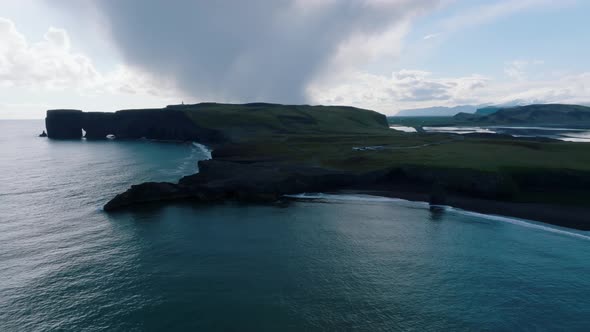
[262, 152]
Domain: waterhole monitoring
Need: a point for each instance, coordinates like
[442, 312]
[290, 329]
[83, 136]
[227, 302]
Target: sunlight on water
[563, 134]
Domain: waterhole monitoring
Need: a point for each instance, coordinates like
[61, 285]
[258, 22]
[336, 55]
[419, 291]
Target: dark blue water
[336, 263]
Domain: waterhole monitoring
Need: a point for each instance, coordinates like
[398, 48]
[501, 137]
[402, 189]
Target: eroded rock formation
[152, 124]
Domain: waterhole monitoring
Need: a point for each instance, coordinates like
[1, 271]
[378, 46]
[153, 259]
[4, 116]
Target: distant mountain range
[482, 109]
[539, 115]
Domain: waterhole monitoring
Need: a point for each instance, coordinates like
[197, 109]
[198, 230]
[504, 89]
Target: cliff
[269, 181]
[129, 124]
[265, 151]
[214, 123]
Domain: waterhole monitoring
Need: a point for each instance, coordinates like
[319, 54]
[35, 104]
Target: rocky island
[262, 152]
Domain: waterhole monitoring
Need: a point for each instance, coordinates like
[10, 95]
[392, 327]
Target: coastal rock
[64, 124]
[147, 192]
[438, 195]
[129, 124]
[43, 134]
[228, 180]
[476, 183]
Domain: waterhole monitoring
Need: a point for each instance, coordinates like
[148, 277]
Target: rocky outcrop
[474, 183]
[438, 195]
[159, 124]
[64, 124]
[246, 182]
[228, 178]
[43, 134]
[148, 192]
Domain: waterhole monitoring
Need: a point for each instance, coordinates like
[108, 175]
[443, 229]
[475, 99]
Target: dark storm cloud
[243, 50]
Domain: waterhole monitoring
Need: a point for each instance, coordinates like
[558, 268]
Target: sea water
[322, 262]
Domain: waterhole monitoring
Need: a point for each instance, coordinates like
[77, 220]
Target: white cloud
[415, 89]
[431, 36]
[51, 64]
[47, 64]
[517, 69]
[572, 89]
[350, 71]
[403, 89]
[36, 76]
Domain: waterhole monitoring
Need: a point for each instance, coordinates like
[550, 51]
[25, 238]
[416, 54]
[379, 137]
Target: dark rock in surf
[438, 195]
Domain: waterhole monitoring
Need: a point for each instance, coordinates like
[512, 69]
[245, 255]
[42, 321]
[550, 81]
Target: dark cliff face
[64, 124]
[98, 124]
[151, 124]
[250, 182]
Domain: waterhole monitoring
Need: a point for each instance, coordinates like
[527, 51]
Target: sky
[385, 55]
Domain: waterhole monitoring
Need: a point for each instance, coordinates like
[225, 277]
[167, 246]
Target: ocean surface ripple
[322, 262]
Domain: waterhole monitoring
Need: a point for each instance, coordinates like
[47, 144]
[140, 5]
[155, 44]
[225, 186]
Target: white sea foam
[357, 198]
[522, 222]
[371, 198]
[204, 149]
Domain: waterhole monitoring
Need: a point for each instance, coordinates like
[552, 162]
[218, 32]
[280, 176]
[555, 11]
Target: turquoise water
[330, 263]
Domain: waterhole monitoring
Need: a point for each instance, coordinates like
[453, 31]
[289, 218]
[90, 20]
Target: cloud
[253, 50]
[36, 76]
[571, 88]
[517, 69]
[403, 89]
[406, 89]
[431, 36]
[50, 64]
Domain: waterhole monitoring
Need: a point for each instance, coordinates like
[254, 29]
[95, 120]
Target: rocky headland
[262, 152]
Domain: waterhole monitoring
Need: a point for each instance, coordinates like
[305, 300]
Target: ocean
[321, 262]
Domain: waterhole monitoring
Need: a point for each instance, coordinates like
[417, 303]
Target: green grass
[247, 121]
[325, 137]
[459, 159]
[336, 151]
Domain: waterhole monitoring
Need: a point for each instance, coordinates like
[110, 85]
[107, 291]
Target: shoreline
[301, 148]
[261, 182]
[572, 217]
[225, 177]
[359, 197]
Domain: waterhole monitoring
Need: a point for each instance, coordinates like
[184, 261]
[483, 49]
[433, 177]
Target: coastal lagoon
[317, 262]
[562, 134]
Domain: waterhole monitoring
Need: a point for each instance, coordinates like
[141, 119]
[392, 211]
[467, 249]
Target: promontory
[262, 152]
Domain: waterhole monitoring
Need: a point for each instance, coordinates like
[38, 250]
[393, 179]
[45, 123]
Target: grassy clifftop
[264, 151]
[248, 121]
